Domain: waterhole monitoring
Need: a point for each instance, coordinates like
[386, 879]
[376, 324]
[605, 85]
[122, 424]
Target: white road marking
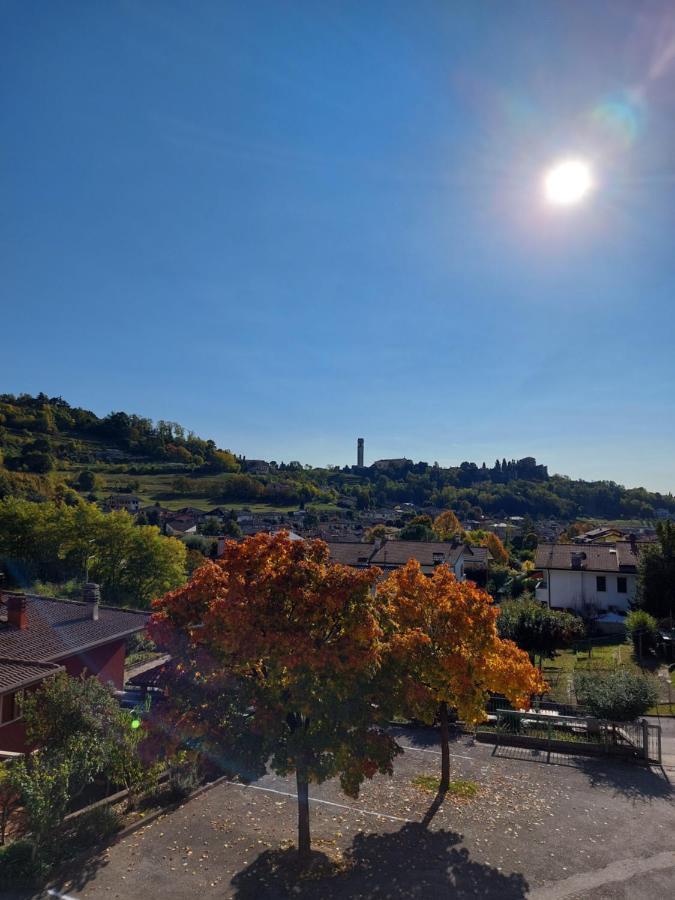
[366, 812]
[435, 752]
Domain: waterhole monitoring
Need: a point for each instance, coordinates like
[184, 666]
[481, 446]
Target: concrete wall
[573, 589]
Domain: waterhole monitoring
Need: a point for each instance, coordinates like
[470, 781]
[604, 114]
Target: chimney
[16, 610]
[578, 559]
[359, 452]
[92, 595]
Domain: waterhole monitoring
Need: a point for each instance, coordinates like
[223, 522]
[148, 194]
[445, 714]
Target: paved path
[579, 829]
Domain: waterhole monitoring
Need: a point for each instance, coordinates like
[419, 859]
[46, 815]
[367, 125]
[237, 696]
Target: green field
[158, 488]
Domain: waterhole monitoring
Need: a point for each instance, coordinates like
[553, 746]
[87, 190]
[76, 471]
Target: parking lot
[565, 828]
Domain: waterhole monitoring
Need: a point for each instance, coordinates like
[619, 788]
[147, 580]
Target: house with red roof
[40, 636]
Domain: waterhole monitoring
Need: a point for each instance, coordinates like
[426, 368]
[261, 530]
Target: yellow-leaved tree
[447, 526]
[445, 650]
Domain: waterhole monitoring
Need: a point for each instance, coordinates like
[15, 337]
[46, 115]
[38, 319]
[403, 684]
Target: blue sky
[286, 225]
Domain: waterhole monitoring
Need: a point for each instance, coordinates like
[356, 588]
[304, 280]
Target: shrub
[96, 825]
[183, 775]
[643, 629]
[620, 696]
[17, 865]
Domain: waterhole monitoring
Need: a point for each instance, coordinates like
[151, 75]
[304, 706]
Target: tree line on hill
[38, 432]
[49, 420]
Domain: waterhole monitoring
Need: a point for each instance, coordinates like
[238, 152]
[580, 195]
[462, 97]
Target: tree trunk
[303, 815]
[445, 747]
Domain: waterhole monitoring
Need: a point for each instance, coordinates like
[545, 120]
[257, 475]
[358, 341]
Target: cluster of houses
[596, 574]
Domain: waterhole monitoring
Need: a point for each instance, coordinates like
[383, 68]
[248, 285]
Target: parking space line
[435, 752]
[366, 812]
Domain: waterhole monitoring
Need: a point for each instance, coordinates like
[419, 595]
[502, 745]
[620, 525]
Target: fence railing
[578, 733]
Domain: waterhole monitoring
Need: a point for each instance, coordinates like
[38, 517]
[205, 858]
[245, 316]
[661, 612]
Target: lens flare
[568, 182]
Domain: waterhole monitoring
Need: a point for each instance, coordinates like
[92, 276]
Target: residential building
[384, 464]
[40, 636]
[128, 502]
[598, 535]
[389, 555]
[577, 577]
[255, 466]
[181, 524]
[476, 564]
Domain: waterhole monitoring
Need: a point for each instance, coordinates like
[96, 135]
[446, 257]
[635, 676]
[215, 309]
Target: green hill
[50, 448]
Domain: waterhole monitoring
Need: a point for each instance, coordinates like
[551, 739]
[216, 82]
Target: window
[600, 583]
[10, 707]
[621, 585]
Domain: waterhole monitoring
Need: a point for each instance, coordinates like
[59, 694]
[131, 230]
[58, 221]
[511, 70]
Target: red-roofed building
[40, 636]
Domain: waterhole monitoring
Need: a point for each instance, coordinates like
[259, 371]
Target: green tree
[182, 485]
[81, 732]
[656, 574]
[419, 528]
[154, 564]
[9, 798]
[87, 481]
[536, 629]
[42, 781]
[643, 630]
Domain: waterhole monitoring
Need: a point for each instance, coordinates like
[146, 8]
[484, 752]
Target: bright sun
[568, 182]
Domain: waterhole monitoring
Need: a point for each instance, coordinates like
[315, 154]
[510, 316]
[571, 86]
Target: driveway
[573, 828]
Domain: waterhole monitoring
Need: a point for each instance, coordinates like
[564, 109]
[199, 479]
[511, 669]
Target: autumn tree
[446, 651]
[497, 549]
[280, 656]
[447, 526]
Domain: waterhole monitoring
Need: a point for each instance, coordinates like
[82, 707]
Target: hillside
[49, 448]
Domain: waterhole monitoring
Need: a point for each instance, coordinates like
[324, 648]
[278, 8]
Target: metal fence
[576, 733]
[496, 703]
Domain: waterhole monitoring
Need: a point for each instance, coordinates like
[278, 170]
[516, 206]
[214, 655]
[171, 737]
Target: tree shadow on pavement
[412, 862]
[74, 874]
[631, 780]
[423, 736]
[635, 782]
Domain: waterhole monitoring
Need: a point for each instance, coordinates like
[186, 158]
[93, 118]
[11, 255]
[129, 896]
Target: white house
[576, 577]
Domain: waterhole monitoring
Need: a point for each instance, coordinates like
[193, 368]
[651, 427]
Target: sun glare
[568, 182]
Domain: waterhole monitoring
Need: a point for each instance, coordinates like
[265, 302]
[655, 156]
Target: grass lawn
[662, 709]
[460, 787]
[559, 672]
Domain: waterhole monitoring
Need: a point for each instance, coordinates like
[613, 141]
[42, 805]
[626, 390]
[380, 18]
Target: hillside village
[106, 522]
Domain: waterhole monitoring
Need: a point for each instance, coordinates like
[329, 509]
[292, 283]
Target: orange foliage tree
[447, 526]
[281, 651]
[497, 549]
[446, 651]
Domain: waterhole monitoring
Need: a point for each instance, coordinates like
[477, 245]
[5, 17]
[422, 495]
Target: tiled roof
[428, 553]
[350, 553]
[18, 673]
[476, 556]
[618, 556]
[58, 628]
